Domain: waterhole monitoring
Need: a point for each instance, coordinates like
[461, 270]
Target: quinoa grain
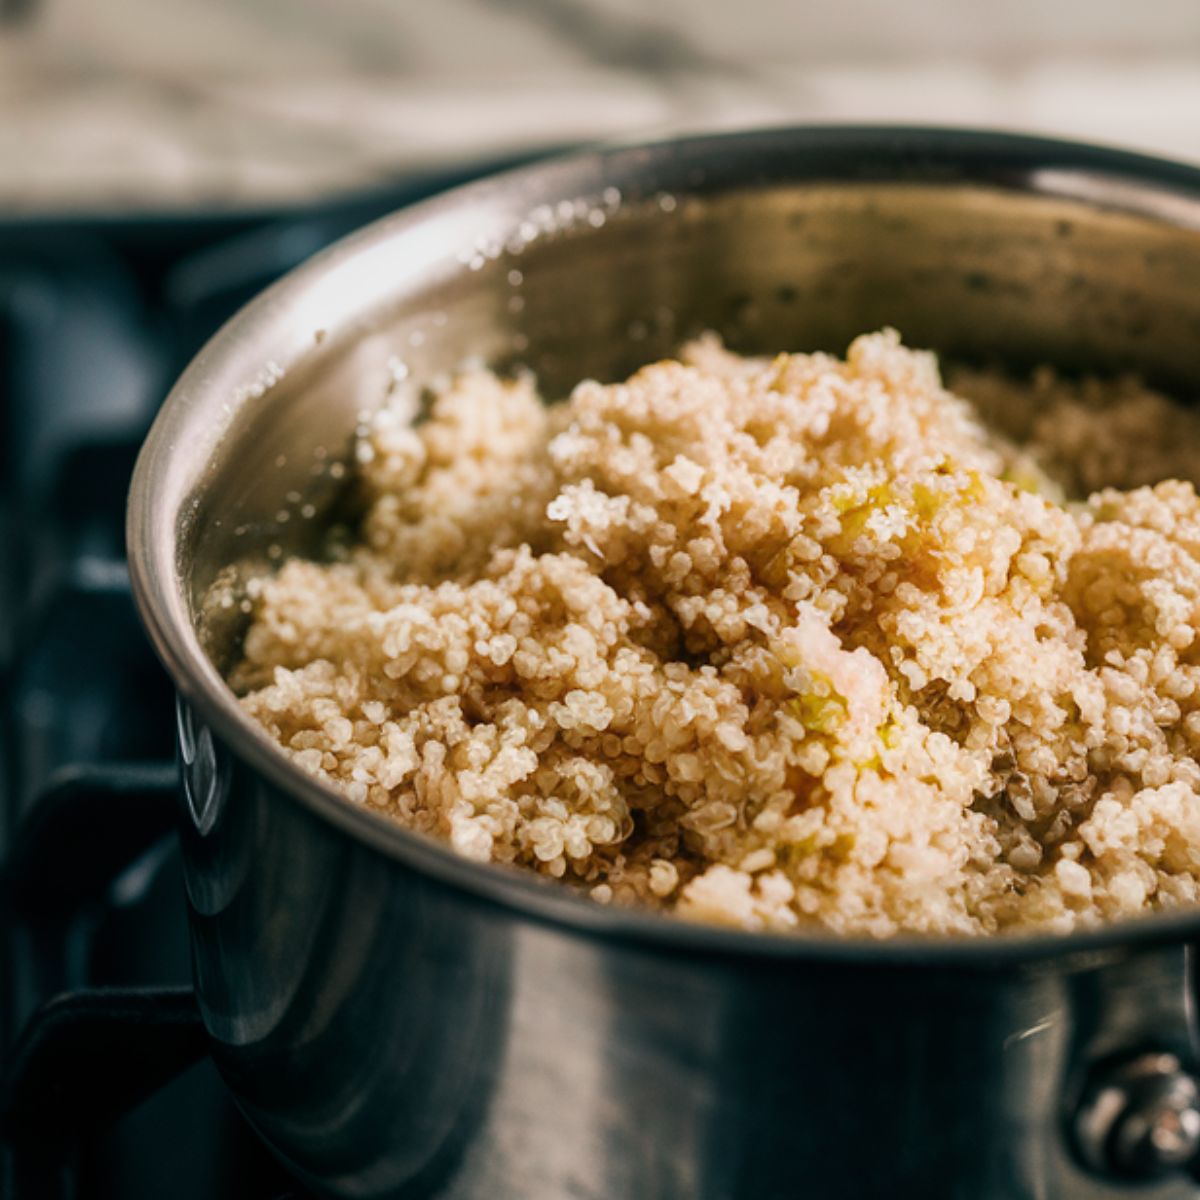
[777, 644]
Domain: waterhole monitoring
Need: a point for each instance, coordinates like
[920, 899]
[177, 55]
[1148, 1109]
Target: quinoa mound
[788, 644]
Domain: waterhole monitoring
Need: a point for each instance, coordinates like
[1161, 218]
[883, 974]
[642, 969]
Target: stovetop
[102, 1093]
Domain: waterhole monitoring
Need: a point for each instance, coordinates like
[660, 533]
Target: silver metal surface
[398, 1021]
[1140, 1118]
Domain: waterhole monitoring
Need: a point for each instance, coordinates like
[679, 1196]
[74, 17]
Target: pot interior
[1054, 267]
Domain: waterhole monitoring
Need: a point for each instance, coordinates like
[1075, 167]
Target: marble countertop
[133, 104]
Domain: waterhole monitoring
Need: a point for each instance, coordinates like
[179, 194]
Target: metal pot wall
[399, 1022]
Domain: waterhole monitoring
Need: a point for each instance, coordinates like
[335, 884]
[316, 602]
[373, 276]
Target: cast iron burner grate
[106, 1087]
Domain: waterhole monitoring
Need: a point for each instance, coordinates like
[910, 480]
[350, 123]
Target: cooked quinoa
[781, 644]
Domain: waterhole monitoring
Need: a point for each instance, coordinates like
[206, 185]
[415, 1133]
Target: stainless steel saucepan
[396, 1021]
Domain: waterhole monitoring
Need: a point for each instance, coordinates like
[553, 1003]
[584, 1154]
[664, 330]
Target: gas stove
[106, 1089]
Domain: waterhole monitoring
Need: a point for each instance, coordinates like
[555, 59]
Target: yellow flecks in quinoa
[783, 644]
[822, 714]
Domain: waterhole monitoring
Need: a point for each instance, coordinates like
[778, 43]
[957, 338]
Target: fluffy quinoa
[791, 644]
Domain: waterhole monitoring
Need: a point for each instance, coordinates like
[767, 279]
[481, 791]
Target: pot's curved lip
[430, 237]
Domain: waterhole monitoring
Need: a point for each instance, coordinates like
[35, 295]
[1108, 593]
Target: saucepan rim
[164, 487]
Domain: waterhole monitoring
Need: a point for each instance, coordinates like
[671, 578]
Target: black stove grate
[106, 1087]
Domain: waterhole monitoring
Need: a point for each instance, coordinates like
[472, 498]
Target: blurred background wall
[157, 103]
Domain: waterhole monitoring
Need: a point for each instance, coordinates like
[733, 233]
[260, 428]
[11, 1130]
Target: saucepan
[396, 1021]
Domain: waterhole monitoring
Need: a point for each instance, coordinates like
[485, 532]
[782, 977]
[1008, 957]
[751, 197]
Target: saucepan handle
[1133, 1099]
